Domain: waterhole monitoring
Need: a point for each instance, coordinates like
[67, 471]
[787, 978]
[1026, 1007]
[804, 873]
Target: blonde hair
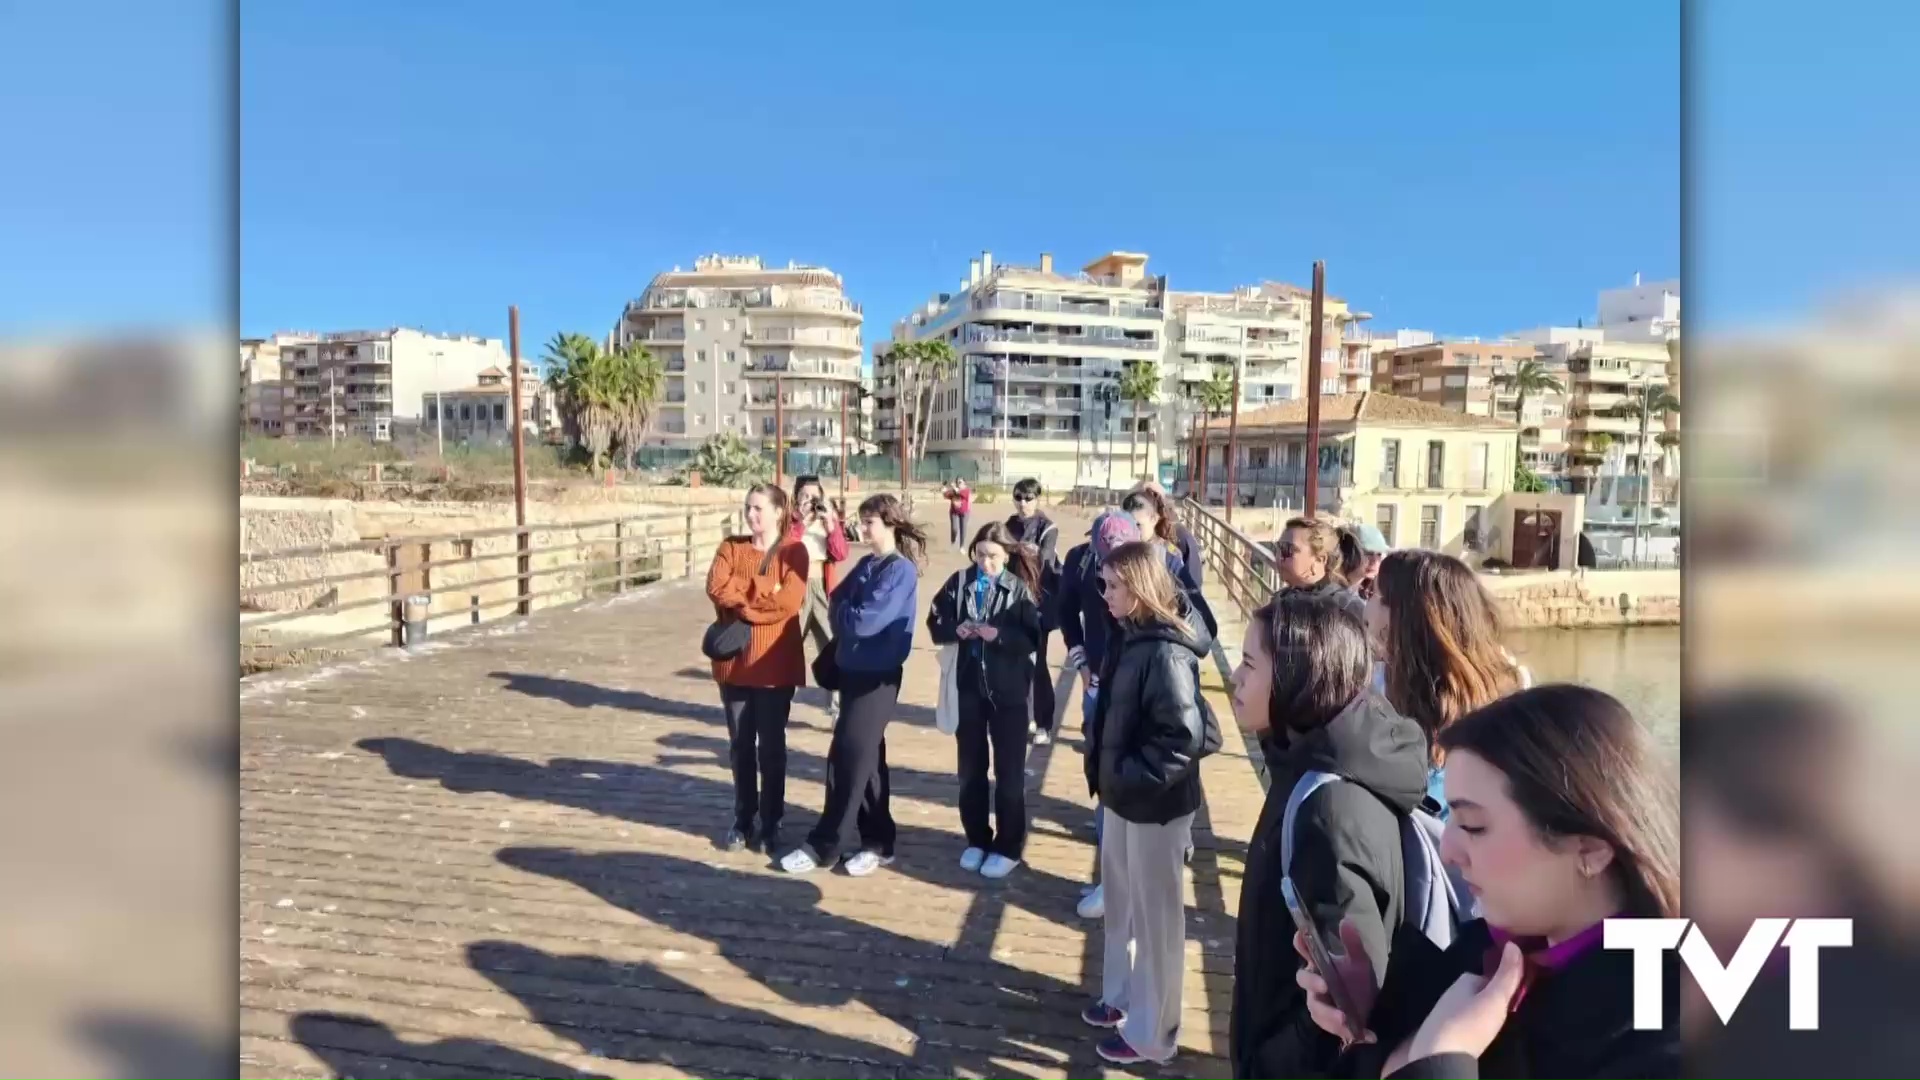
[1142, 568]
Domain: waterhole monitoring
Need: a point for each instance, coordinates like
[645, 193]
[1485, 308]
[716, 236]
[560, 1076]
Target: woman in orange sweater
[760, 579]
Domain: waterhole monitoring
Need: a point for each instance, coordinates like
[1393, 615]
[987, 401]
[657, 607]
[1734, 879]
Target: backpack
[1436, 901]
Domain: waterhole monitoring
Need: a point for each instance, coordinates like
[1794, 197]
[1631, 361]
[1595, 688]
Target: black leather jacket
[1001, 669]
[1143, 757]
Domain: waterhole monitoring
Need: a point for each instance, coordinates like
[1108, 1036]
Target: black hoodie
[1151, 724]
[1346, 864]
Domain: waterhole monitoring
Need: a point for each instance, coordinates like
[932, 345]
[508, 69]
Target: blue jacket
[872, 613]
[1081, 611]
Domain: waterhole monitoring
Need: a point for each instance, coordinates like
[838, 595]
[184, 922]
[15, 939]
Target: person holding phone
[817, 525]
[1302, 685]
[1562, 817]
[989, 611]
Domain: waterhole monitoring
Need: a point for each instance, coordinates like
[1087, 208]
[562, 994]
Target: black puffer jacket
[1346, 864]
[1151, 724]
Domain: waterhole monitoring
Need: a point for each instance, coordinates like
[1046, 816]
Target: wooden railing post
[619, 556]
[523, 585]
[689, 548]
[396, 611]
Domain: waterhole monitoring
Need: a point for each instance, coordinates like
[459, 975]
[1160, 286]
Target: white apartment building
[1041, 356]
[262, 389]
[372, 383]
[727, 329]
[1641, 312]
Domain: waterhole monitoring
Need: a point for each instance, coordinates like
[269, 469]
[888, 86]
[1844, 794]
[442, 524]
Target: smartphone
[1322, 955]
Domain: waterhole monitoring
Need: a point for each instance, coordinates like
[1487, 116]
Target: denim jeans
[1089, 697]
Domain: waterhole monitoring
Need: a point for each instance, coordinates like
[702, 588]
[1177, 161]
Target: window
[1436, 464]
[466, 412]
[727, 421]
[1383, 518]
[1430, 527]
[699, 419]
[727, 326]
[732, 357]
[766, 359]
[1390, 467]
[1475, 533]
[379, 352]
[700, 355]
[699, 324]
[499, 413]
[700, 386]
[732, 388]
[433, 412]
[1477, 467]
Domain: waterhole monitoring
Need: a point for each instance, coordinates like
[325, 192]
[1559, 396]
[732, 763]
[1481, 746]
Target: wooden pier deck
[498, 858]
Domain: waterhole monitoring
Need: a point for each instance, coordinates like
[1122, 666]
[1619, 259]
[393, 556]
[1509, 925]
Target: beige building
[262, 389]
[479, 413]
[1606, 377]
[1466, 376]
[372, 384]
[1426, 475]
[727, 329]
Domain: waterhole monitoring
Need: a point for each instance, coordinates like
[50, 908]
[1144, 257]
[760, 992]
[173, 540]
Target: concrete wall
[269, 524]
[1588, 598]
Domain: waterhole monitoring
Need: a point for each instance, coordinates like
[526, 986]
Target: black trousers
[993, 731]
[1043, 701]
[757, 744]
[859, 811]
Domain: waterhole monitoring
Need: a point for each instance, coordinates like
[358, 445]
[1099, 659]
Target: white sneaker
[971, 859]
[1093, 905]
[1040, 737]
[799, 861]
[862, 863]
[998, 866]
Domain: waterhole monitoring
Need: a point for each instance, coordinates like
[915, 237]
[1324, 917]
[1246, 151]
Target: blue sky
[428, 163]
[1468, 168]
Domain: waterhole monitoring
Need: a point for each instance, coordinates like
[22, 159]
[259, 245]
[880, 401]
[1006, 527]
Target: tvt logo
[1726, 985]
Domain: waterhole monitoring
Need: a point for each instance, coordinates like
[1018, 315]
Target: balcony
[784, 335]
[760, 297]
[1613, 425]
[759, 400]
[806, 429]
[999, 301]
[984, 336]
[659, 337]
[804, 366]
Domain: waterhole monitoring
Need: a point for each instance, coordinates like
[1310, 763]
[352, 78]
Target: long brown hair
[778, 500]
[1577, 763]
[1323, 540]
[1142, 568]
[1320, 658]
[1163, 525]
[1353, 558]
[911, 539]
[1444, 657]
[1022, 558]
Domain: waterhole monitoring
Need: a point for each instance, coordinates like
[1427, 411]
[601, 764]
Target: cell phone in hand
[1322, 949]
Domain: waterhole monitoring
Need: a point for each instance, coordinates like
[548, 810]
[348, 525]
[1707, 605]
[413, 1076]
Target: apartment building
[727, 329]
[1644, 313]
[1427, 475]
[1467, 376]
[1042, 352]
[372, 383]
[479, 413]
[1603, 434]
[262, 389]
[1052, 346]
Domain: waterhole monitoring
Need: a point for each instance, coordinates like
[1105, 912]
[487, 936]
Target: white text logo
[1726, 985]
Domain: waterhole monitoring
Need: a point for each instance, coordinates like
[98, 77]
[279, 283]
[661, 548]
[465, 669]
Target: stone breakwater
[1587, 598]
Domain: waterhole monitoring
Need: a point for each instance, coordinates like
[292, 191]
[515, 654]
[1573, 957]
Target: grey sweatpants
[813, 620]
[1143, 873]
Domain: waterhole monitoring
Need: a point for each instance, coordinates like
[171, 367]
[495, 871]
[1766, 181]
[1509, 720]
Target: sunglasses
[1023, 498]
[1286, 551]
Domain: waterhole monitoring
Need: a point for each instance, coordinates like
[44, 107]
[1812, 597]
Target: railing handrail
[1246, 568]
[385, 542]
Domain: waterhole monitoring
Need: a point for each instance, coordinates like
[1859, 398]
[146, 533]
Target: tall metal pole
[1233, 444]
[779, 431]
[1313, 389]
[521, 537]
[843, 443]
[333, 396]
[906, 430]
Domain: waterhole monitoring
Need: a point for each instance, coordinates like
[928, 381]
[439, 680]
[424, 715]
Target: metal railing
[1245, 568]
[384, 577]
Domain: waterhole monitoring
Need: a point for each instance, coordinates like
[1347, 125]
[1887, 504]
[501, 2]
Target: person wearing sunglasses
[1309, 556]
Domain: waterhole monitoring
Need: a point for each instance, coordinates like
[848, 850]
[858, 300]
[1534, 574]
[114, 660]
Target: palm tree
[1140, 384]
[1531, 377]
[1214, 397]
[638, 379]
[920, 368]
[1657, 402]
[603, 397]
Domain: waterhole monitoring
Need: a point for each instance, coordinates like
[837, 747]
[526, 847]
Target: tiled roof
[1364, 409]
